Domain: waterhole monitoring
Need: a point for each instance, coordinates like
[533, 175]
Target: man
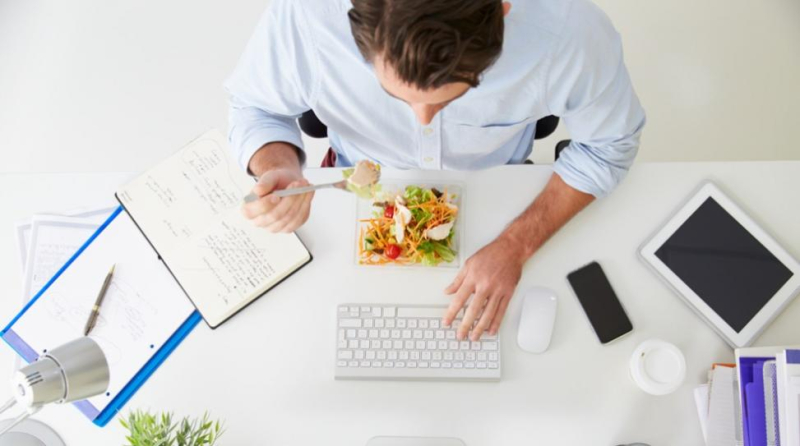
[439, 84]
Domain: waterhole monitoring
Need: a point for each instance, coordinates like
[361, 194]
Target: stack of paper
[755, 402]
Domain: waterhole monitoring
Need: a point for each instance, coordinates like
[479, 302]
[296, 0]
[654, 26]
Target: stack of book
[754, 402]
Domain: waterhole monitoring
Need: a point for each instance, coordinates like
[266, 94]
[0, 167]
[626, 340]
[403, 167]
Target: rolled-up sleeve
[589, 87]
[273, 83]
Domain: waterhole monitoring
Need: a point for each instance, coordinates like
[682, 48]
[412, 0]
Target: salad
[415, 226]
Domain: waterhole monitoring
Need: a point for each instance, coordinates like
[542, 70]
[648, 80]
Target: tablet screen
[724, 264]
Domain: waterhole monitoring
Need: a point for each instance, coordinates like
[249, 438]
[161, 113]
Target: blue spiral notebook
[144, 316]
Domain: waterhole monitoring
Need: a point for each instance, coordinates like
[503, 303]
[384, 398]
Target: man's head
[428, 52]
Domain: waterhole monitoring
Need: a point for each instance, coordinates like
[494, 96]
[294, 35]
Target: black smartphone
[600, 302]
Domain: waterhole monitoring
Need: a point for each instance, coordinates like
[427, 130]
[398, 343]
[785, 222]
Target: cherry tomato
[388, 212]
[392, 251]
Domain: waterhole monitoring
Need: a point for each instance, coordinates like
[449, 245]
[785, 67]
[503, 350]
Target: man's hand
[491, 275]
[278, 167]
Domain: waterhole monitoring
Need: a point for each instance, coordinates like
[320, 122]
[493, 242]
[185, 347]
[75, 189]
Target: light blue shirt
[560, 57]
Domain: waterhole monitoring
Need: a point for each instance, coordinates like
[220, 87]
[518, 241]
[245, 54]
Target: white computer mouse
[537, 319]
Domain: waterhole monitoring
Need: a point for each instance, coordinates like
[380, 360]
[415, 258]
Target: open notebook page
[189, 208]
[141, 310]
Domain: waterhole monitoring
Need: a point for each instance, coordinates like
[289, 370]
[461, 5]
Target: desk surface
[269, 371]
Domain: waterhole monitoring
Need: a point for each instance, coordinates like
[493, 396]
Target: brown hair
[430, 43]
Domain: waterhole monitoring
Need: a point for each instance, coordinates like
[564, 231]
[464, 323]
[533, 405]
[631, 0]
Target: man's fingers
[487, 317]
[471, 314]
[287, 221]
[456, 284]
[280, 210]
[499, 314]
[301, 215]
[457, 303]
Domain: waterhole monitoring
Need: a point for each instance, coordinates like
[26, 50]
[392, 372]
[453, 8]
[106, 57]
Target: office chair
[313, 127]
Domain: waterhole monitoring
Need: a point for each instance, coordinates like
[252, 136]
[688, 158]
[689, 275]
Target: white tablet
[726, 267]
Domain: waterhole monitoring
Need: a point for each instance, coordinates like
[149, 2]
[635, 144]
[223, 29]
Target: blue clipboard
[111, 410]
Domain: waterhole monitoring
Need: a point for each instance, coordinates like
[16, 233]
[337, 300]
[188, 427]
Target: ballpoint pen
[96, 309]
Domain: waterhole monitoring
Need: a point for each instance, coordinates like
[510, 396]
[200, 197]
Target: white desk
[269, 371]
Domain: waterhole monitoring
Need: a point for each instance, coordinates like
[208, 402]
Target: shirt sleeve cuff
[586, 171]
[256, 139]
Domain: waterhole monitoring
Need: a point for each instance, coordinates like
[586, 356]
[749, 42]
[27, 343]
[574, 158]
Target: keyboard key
[414, 355]
[406, 334]
[390, 323]
[428, 334]
[459, 356]
[492, 356]
[412, 323]
[403, 355]
[470, 356]
[384, 334]
[377, 364]
[342, 344]
[381, 355]
[439, 334]
[373, 333]
[370, 354]
[437, 356]
[458, 365]
[359, 354]
[365, 309]
[391, 355]
[389, 312]
[493, 365]
[364, 364]
[368, 323]
[431, 345]
[476, 345]
[345, 354]
[341, 364]
[481, 365]
[388, 364]
[490, 345]
[417, 334]
[363, 344]
[448, 356]
[453, 345]
[395, 334]
[379, 323]
[397, 345]
[350, 323]
[422, 365]
[420, 345]
[409, 345]
[362, 333]
[435, 365]
[343, 310]
[352, 343]
[482, 356]
[400, 365]
[341, 335]
[352, 364]
[434, 323]
[442, 345]
[447, 365]
[386, 345]
[420, 312]
[450, 334]
[351, 333]
[426, 356]
[401, 323]
[423, 323]
[411, 364]
[464, 345]
[469, 365]
[376, 312]
[375, 344]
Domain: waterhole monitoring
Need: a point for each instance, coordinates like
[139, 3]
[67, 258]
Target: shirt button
[427, 131]
[428, 159]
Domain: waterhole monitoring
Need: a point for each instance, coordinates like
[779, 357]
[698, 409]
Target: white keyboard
[409, 342]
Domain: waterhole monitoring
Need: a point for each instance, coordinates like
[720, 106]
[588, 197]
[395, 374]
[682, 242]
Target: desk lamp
[74, 371]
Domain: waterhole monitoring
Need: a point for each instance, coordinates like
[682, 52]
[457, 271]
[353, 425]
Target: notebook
[189, 209]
